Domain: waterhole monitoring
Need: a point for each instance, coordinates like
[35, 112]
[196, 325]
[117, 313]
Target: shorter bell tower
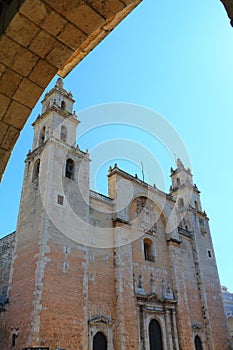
[183, 190]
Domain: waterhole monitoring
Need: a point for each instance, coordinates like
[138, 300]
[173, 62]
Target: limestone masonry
[89, 272]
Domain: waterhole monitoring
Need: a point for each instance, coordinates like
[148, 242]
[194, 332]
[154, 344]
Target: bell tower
[183, 190]
[56, 179]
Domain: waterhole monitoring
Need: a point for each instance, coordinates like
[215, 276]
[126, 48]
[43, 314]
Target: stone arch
[134, 211]
[27, 66]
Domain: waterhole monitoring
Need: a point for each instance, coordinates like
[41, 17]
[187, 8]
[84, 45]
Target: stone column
[168, 330]
[174, 330]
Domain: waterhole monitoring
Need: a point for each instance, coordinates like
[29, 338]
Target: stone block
[59, 54]
[42, 44]
[42, 73]
[3, 130]
[93, 41]
[9, 82]
[72, 36]
[35, 10]
[8, 50]
[4, 157]
[21, 30]
[85, 18]
[2, 69]
[131, 2]
[108, 8]
[17, 115]
[24, 55]
[15, 56]
[10, 138]
[54, 23]
[28, 93]
[4, 103]
[63, 6]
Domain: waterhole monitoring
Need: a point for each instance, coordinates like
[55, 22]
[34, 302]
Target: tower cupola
[180, 176]
[57, 118]
[182, 189]
[58, 97]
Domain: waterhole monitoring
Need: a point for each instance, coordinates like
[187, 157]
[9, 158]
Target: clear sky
[176, 58]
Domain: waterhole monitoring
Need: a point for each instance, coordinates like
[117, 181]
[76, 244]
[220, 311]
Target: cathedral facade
[134, 270]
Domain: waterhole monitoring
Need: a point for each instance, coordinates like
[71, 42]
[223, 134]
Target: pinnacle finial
[179, 163]
[59, 83]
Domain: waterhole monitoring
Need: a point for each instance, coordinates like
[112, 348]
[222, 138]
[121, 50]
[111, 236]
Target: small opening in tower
[180, 203]
[63, 135]
[60, 199]
[36, 170]
[196, 204]
[70, 168]
[42, 136]
[13, 340]
[209, 252]
[178, 182]
[63, 105]
[140, 284]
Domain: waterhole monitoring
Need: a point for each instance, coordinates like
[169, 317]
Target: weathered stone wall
[6, 255]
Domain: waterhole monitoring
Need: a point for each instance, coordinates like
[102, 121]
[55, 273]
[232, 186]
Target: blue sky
[175, 58]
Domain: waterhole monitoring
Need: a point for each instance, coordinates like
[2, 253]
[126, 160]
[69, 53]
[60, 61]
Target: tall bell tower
[55, 192]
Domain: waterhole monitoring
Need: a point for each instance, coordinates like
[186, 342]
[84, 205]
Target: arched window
[180, 203]
[230, 326]
[63, 105]
[42, 135]
[155, 336]
[100, 342]
[140, 282]
[148, 249]
[63, 135]
[70, 168]
[13, 340]
[36, 170]
[198, 344]
[196, 204]
[178, 182]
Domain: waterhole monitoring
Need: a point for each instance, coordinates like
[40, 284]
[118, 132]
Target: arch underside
[42, 38]
[228, 4]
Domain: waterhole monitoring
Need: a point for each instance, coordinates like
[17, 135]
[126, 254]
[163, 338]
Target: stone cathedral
[134, 270]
